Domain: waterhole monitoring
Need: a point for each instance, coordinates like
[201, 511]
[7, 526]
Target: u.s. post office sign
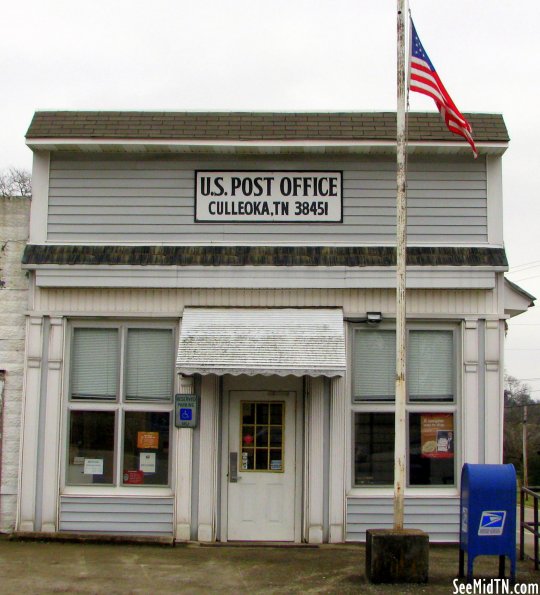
[268, 196]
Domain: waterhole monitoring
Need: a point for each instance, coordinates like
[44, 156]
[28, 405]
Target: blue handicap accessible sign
[492, 522]
[186, 410]
[186, 414]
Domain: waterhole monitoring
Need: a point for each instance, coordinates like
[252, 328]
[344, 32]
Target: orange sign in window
[437, 434]
[147, 439]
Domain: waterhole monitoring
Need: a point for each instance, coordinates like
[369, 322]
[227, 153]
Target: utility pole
[524, 448]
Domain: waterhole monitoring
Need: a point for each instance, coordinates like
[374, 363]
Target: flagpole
[401, 264]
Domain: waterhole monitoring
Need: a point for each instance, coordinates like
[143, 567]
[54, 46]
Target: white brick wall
[14, 214]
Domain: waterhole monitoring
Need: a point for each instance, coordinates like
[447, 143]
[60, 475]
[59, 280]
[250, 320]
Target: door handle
[233, 467]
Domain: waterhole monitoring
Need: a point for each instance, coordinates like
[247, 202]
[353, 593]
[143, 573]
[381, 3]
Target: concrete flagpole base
[397, 556]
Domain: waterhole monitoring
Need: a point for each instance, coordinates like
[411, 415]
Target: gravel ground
[52, 567]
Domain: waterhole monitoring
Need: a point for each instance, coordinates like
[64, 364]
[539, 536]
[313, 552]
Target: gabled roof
[253, 126]
[516, 299]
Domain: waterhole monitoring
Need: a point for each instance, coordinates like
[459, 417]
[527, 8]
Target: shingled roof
[358, 256]
[253, 126]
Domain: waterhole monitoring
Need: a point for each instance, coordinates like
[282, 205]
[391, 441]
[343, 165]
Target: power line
[526, 265]
[536, 404]
[527, 278]
[522, 349]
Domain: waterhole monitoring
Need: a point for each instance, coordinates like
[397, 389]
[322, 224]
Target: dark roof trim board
[359, 256]
[253, 126]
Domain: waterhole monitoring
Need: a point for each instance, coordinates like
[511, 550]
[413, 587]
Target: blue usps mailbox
[488, 515]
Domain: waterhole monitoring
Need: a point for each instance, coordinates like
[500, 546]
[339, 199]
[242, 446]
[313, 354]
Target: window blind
[94, 364]
[374, 366]
[149, 364]
[430, 370]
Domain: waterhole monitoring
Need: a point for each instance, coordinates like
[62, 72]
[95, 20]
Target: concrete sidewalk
[51, 567]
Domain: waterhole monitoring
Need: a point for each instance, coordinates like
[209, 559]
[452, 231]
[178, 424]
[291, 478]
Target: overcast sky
[292, 55]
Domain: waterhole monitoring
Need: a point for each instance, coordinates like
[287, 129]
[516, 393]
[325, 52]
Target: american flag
[424, 79]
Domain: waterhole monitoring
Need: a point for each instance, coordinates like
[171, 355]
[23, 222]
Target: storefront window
[94, 364]
[374, 448]
[431, 449]
[128, 369]
[374, 373]
[431, 378]
[149, 366]
[146, 448]
[91, 447]
[430, 366]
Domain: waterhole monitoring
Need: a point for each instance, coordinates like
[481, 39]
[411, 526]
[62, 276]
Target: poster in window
[93, 466]
[134, 476]
[437, 435]
[147, 462]
[148, 440]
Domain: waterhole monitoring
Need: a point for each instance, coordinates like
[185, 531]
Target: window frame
[119, 406]
[374, 406]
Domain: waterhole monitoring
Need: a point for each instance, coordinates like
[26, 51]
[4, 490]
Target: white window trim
[454, 407]
[118, 406]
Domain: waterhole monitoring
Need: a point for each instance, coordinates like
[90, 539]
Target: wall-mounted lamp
[373, 318]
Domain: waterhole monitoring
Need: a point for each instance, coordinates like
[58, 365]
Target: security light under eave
[373, 318]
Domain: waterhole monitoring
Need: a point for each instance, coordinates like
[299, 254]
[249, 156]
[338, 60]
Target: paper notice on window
[437, 435]
[147, 462]
[93, 466]
[148, 440]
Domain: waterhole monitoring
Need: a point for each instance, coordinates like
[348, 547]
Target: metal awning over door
[282, 341]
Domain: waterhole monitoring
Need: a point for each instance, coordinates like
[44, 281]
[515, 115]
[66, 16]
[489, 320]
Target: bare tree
[517, 399]
[15, 182]
[516, 392]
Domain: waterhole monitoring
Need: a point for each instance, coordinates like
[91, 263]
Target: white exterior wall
[421, 303]
[134, 201]
[108, 200]
[478, 314]
[14, 214]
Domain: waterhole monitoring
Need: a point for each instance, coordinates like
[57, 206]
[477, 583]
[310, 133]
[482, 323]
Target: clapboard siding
[439, 517]
[153, 201]
[126, 516]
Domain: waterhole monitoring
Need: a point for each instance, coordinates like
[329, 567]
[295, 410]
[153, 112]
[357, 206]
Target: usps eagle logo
[492, 522]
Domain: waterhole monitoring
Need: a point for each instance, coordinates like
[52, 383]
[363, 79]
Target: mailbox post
[488, 515]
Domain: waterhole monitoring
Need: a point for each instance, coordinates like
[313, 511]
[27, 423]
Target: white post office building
[246, 262]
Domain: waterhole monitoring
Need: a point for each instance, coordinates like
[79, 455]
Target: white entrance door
[261, 478]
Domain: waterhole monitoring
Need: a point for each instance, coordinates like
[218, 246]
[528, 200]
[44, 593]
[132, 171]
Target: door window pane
[430, 374]
[248, 413]
[94, 364]
[374, 366]
[149, 364]
[431, 449]
[91, 448]
[374, 448]
[262, 436]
